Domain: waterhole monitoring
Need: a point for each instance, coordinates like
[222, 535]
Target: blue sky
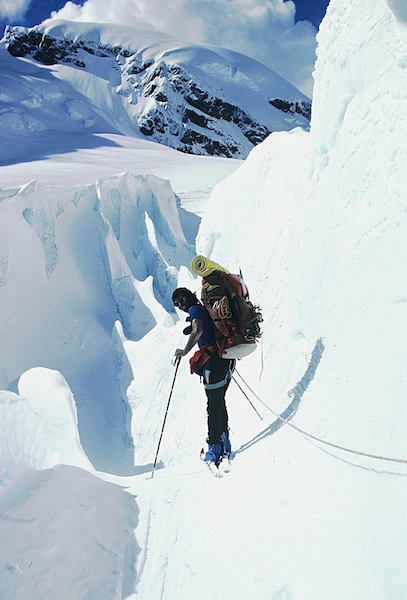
[310, 10]
[280, 34]
[39, 10]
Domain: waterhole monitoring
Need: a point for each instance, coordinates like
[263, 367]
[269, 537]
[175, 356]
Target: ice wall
[320, 230]
[70, 262]
[355, 226]
[328, 261]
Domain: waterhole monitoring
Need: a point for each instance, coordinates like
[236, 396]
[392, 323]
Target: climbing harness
[218, 384]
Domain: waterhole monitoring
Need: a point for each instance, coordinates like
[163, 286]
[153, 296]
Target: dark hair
[185, 293]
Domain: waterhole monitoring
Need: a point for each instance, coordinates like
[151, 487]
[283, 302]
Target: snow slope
[319, 229]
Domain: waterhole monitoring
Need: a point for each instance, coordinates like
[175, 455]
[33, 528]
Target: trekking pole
[177, 362]
[247, 398]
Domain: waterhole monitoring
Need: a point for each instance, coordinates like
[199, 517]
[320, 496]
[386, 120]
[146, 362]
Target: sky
[286, 29]
[30, 13]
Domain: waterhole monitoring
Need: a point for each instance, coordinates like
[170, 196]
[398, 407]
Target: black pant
[218, 370]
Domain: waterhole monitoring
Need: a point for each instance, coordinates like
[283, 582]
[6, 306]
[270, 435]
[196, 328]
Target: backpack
[235, 319]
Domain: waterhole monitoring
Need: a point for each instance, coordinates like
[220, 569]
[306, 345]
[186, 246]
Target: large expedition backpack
[226, 298]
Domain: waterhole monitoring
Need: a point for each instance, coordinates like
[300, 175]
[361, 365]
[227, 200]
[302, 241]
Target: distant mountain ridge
[196, 99]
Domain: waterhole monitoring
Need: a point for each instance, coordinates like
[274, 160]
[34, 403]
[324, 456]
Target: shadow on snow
[296, 393]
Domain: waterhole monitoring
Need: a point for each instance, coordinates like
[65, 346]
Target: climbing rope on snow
[286, 421]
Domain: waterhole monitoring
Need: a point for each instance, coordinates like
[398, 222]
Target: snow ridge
[80, 254]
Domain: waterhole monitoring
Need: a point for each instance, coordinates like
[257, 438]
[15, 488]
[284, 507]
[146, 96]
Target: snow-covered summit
[198, 99]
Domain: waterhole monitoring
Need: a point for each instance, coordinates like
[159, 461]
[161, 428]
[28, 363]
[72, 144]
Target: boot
[214, 453]
[226, 445]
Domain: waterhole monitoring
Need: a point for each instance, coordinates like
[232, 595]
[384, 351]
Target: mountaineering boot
[225, 443]
[214, 453]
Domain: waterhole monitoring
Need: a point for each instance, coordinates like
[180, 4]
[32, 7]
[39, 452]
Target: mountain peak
[197, 99]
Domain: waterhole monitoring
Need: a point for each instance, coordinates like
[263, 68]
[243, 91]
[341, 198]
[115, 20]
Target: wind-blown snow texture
[317, 221]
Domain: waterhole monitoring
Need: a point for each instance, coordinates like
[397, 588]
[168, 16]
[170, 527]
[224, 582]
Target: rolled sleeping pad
[202, 266]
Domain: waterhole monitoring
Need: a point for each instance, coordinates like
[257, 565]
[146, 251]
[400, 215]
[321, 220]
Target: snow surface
[317, 222]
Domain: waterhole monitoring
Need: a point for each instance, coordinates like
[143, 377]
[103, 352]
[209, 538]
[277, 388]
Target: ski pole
[177, 361]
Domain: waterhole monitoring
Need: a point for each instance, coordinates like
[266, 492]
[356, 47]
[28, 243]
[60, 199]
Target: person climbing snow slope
[216, 372]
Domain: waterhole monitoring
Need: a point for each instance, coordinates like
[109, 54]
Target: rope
[317, 439]
[246, 396]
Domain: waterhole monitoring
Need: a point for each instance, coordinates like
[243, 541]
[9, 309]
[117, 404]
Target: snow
[89, 255]
[84, 536]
